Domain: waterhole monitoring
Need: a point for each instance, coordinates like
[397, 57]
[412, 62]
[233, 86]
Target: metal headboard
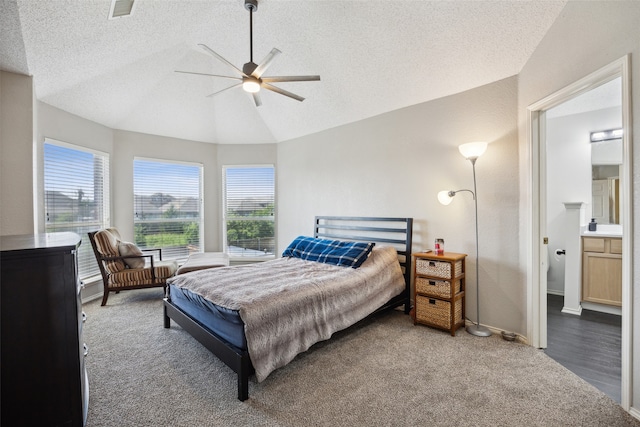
[396, 232]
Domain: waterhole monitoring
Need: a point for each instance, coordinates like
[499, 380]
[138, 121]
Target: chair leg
[105, 296]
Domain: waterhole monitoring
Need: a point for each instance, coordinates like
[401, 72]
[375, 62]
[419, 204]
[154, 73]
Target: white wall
[16, 153]
[569, 176]
[585, 37]
[395, 164]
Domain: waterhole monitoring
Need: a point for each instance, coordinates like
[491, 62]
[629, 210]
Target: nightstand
[439, 290]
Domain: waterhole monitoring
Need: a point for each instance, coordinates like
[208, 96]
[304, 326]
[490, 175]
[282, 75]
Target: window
[167, 203]
[76, 196]
[248, 210]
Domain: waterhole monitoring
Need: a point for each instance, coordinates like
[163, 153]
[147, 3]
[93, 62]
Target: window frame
[225, 246]
[85, 250]
[166, 254]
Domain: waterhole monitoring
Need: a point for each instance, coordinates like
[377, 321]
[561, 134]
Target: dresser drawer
[440, 269]
[437, 312]
[616, 246]
[602, 245]
[593, 244]
[436, 288]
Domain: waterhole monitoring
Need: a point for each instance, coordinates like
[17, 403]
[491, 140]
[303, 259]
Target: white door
[600, 200]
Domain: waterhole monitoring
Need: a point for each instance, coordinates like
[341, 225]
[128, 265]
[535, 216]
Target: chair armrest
[159, 250]
[122, 257]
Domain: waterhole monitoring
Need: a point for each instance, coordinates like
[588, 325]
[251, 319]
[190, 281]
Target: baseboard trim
[602, 308]
[91, 298]
[496, 331]
[555, 292]
[575, 312]
[92, 291]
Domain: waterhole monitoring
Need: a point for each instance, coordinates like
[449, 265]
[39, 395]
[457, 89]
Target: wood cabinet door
[602, 278]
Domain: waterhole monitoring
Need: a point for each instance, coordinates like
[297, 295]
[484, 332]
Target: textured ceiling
[372, 56]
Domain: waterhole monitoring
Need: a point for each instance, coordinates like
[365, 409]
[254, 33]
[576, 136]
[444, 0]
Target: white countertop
[602, 230]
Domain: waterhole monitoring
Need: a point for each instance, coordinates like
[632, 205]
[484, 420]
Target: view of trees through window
[249, 204]
[76, 196]
[167, 207]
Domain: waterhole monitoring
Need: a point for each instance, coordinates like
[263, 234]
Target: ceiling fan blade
[290, 79]
[256, 99]
[262, 67]
[225, 89]
[282, 92]
[210, 75]
[208, 49]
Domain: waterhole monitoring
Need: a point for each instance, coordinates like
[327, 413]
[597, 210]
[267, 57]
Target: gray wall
[396, 163]
[17, 116]
[585, 37]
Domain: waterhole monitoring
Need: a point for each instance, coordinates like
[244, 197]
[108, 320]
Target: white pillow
[128, 248]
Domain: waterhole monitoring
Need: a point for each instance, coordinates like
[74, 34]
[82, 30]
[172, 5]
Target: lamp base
[478, 330]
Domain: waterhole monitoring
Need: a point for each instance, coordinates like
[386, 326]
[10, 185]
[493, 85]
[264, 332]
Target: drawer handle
[432, 282]
[86, 350]
[432, 301]
[84, 317]
[432, 263]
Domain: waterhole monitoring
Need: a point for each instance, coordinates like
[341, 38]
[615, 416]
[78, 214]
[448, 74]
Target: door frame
[536, 279]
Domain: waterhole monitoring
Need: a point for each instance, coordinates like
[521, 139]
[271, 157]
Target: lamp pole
[477, 329]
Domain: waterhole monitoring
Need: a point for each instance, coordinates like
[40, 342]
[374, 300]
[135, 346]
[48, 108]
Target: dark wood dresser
[44, 380]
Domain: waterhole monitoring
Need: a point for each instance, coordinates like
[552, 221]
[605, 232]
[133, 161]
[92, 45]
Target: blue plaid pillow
[336, 252]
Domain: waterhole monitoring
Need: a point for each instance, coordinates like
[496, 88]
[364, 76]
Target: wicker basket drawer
[437, 288]
[437, 268]
[437, 312]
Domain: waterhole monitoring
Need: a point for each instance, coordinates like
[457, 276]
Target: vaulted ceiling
[372, 57]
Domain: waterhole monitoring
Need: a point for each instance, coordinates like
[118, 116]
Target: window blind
[248, 210]
[76, 196]
[167, 203]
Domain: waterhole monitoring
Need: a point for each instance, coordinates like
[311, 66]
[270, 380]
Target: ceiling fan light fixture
[251, 85]
[251, 76]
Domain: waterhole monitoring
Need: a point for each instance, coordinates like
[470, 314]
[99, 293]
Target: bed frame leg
[167, 320]
[243, 378]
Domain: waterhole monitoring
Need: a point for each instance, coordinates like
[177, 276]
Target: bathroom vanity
[602, 269]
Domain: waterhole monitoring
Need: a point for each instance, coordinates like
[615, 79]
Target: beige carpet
[383, 372]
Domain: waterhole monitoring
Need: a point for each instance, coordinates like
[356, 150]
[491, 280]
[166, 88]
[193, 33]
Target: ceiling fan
[251, 76]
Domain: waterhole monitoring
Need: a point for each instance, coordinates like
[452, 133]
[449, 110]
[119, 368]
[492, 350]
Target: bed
[255, 318]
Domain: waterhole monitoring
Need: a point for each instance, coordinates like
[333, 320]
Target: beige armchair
[124, 266]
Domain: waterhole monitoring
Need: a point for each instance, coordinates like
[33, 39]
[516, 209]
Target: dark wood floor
[588, 345]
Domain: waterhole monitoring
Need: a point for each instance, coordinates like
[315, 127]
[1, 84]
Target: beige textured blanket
[288, 304]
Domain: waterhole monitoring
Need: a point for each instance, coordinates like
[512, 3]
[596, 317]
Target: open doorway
[575, 176]
[583, 330]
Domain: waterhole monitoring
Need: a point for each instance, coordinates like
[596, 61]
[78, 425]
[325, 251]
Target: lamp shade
[473, 150]
[444, 197]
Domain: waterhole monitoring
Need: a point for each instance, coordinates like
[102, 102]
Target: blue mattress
[221, 321]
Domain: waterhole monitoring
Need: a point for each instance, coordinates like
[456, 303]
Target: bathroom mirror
[606, 161]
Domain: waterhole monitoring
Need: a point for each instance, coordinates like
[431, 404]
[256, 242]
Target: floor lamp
[471, 151]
